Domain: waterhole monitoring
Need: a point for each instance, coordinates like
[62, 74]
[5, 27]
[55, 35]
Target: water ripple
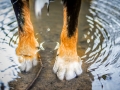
[105, 53]
[8, 29]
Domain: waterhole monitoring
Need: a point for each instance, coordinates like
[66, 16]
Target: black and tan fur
[27, 46]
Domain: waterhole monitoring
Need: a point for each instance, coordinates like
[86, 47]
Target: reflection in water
[8, 60]
[104, 56]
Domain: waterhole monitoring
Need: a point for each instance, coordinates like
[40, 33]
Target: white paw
[35, 62]
[27, 65]
[67, 70]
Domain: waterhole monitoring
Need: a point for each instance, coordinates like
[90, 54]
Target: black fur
[73, 8]
[17, 6]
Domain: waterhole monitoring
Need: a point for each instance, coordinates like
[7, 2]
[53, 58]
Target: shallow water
[8, 39]
[105, 39]
[102, 42]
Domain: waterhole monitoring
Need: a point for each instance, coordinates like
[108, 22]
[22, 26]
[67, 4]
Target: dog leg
[27, 50]
[68, 63]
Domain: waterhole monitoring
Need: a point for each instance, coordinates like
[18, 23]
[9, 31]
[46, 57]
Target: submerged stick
[33, 81]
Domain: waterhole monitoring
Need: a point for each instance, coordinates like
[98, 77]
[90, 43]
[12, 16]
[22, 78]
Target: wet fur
[27, 46]
[67, 64]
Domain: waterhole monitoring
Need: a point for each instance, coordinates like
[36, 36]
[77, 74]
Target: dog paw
[27, 64]
[67, 68]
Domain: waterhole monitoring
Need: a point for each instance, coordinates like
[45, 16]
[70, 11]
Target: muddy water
[98, 47]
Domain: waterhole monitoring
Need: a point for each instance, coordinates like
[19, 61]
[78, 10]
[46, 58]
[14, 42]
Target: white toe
[70, 73]
[78, 69]
[35, 62]
[61, 70]
[23, 66]
[28, 65]
[55, 67]
[61, 73]
[67, 70]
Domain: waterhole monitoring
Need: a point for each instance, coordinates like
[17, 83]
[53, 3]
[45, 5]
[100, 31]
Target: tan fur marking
[27, 42]
[68, 44]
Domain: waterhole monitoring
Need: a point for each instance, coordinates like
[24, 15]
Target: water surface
[98, 45]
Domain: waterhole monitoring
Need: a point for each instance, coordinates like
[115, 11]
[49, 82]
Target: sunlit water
[103, 38]
[9, 65]
[104, 55]
[8, 60]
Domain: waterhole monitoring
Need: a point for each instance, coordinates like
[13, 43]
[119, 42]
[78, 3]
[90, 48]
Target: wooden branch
[37, 75]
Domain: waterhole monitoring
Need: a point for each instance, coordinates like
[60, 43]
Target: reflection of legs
[68, 64]
[27, 46]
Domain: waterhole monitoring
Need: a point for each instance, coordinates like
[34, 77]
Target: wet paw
[26, 65]
[66, 68]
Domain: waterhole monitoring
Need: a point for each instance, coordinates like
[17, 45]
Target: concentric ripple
[104, 56]
[8, 60]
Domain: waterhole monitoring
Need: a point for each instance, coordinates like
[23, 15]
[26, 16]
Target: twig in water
[33, 81]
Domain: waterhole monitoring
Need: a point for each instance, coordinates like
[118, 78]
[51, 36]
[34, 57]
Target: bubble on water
[48, 29]
[88, 40]
[92, 37]
[85, 35]
[88, 49]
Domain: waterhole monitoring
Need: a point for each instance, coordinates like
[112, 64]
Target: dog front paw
[27, 64]
[67, 68]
